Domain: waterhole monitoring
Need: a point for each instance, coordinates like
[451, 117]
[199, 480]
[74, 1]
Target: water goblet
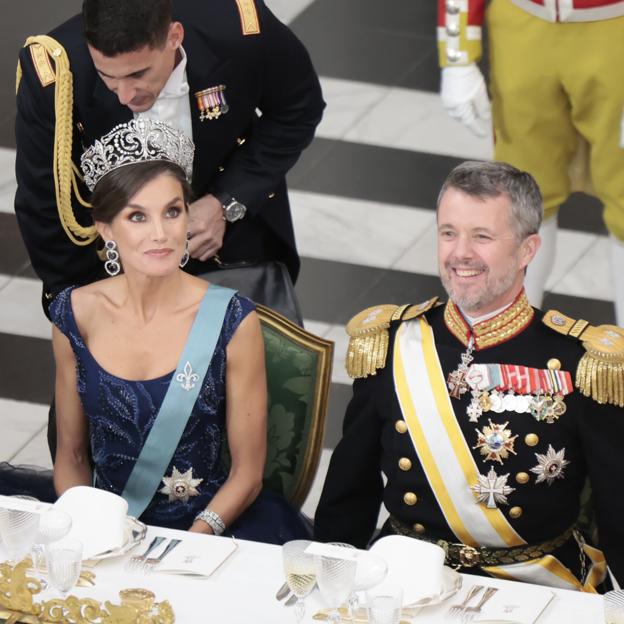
[64, 561]
[18, 530]
[335, 577]
[54, 524]
[384, 603]
[300, 572]
[371, 570]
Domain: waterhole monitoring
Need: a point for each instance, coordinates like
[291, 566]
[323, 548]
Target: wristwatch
[233, 210]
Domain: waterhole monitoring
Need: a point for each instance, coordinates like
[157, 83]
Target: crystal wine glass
[54, 524]
[371, 570]
[300, 572]
[64, 561]
[18, 530]
[335, 577]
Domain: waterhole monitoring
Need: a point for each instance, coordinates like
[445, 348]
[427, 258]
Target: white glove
[465, 98]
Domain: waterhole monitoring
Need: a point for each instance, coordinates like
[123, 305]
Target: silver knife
[282, 592]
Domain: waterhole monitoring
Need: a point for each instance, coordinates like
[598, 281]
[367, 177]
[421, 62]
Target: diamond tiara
[139, 140]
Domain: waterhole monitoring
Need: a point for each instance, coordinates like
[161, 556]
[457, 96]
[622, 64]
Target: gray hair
[487, 180]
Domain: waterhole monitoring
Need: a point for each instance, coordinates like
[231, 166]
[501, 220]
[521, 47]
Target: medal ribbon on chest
[211, 103]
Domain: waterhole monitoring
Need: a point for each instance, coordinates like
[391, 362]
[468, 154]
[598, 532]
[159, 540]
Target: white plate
[451, 584]
[135, 532]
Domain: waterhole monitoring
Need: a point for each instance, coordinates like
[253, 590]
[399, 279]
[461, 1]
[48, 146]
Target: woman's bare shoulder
[88, 300]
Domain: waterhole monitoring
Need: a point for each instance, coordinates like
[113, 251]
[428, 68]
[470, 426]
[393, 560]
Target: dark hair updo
[115, 190]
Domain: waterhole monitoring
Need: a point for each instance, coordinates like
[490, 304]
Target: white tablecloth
[243, 589]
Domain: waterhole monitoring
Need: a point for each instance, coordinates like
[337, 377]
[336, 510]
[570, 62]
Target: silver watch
[233, 210]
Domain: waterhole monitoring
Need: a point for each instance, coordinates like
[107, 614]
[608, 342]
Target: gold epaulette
[369, 337]
[250, 23]
[600, 372]
[46, 51]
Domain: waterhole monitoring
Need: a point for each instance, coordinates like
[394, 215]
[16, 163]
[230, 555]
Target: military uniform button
[453, 7]
[419, 529]
[453, 30]
[405, 464]
[553, 364]
[271, 195]
[453, 56]
[531, 439]
[241, 141]
[400, 426]
[409, 498]
[522, 478]
[48, 295]
[515, 512]
[221, 168]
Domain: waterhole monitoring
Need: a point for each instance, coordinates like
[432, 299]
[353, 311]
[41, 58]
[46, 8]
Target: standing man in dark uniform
[486, 415]
[226, 71]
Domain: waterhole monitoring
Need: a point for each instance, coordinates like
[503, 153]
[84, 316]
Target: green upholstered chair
[298, 366]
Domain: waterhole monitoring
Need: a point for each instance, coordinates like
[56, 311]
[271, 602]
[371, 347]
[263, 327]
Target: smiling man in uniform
[487, 416]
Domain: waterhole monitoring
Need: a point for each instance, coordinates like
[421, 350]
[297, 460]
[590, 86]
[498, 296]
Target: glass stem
[299, 609]
[354, 603]
[334, 616]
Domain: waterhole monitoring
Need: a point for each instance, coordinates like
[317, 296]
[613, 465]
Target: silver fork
[456, 611]
[136, 561]
[149, 564]
[470, 613]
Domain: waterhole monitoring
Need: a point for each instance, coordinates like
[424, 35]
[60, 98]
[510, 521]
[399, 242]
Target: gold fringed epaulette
[369, 336]
[600, 372]
[46, 52]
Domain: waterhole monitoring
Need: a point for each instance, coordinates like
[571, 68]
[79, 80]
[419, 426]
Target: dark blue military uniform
[239, 154]
[376, 438]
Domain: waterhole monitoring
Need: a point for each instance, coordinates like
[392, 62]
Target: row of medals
[542, 406]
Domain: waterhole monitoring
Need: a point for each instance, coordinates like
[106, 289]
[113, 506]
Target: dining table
[243, 588]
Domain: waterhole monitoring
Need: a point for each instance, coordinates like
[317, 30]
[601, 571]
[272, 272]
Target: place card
[521, 605]
[188, 559]
[331, 550]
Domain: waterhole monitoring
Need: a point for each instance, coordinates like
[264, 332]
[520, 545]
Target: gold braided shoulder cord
[65, 171]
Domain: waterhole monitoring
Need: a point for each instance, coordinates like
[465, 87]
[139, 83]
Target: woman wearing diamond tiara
[129, 353]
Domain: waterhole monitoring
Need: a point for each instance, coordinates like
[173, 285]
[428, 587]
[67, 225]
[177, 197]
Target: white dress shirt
[172, 105]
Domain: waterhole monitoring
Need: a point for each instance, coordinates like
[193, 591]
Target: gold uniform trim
[41, 61]
[250, 23]
[369, 336]
[600, 372]
[66, 174]
[493, 331]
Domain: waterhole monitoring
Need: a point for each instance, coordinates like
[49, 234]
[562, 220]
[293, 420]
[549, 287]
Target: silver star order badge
[550, 466]
[495, 442]
[492, 489]
[180, 486]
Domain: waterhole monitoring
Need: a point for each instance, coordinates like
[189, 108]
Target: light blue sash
[162, 441]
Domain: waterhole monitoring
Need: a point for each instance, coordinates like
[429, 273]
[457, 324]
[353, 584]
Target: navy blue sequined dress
[121, 413]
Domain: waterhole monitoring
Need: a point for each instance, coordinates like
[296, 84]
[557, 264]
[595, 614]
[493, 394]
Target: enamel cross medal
[456, 380]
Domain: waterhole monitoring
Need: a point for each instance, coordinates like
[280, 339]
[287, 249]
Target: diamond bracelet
[213, 520]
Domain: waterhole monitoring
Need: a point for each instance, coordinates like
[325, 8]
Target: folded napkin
[413, 564]
[98, 518]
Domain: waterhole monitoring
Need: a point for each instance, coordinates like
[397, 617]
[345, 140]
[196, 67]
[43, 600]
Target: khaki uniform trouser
[557, 95]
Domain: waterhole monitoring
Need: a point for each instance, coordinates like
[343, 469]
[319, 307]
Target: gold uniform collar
[493, 331]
